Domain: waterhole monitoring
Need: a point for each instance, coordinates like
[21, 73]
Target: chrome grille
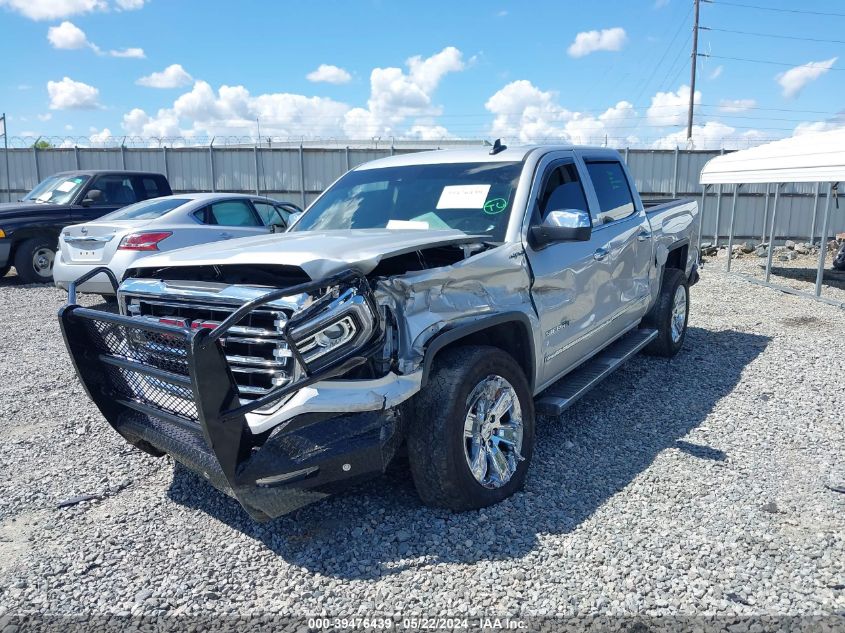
[255, 348]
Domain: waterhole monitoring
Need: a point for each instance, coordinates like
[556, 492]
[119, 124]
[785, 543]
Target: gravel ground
[798, 273]
[700, 486]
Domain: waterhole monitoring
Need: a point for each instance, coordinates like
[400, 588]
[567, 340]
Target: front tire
[472, 433]
[34, 260]
[669, 315]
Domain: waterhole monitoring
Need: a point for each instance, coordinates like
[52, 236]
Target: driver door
[569, 289]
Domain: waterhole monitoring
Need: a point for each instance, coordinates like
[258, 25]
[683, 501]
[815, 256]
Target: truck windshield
[56, 190]
[146, 210]
[474, 198]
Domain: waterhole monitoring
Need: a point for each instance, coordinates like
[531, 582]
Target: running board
[566, 391]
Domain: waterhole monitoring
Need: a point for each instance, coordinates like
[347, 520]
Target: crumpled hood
[13, 209]
[319, 253]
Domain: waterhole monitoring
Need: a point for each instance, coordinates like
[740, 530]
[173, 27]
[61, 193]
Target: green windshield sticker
[495, 206]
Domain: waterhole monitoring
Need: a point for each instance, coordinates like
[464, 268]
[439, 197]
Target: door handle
[225, 235]
[600, 254]
[643, 235]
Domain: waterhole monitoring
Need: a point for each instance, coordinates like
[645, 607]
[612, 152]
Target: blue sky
[526, 71]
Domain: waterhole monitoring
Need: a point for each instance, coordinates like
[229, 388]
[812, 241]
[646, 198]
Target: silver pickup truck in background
[438, 300]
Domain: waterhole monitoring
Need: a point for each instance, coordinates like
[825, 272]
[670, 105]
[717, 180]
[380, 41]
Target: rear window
[146, 210]
[233, 213]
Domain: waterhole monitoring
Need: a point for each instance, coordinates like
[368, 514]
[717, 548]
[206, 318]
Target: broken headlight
[334, 327]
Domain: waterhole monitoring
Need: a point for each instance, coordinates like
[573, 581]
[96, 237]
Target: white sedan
[119, 239]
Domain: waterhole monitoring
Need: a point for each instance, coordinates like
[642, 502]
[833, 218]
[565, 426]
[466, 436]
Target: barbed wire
[275, 142]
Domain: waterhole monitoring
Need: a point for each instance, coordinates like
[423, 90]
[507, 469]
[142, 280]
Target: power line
[779, 10]
[765, 61]
[674, 70]
[785, 37]
[654, 68]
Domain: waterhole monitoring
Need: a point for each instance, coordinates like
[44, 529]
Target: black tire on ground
[436, 440]
[4, 270]
[28, 255]
[660, 317]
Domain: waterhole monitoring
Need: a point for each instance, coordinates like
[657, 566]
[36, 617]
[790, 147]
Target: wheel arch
[22, 235]
[496, 330]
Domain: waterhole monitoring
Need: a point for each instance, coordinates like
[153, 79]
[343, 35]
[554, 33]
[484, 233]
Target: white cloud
[174, 76]
[716, 72]
[329, 74]
[835, 122]
[793, 80]
[396, 95]
[129, 5]
[52, 9]
[525, 113]
[502, 14]
[45, 117]
[67, 36]
[233, 111]
[68, 94]
[429, 132]
[100, 137]
[670, 108]
[588, 42]
[659, 4]
[132, 53]
[711, 135]
[735, 105]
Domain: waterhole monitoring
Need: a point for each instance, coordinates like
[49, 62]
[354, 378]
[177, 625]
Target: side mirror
[92, 197]
[563, 225]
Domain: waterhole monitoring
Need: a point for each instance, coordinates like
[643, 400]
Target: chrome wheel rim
[42, 262]
[493, 432]
[679, 313]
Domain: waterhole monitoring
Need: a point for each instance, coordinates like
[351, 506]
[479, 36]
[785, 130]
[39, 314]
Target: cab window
[612, 190]
[562, 190]
[115, 190]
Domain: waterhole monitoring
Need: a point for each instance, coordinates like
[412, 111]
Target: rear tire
[464, 452]
[4, 270]
[34, 260]
[669, 315]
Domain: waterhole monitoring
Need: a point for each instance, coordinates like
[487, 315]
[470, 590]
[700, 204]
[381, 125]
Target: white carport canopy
[818, 157]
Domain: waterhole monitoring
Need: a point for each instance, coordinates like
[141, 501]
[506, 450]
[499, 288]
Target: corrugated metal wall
[300, 174]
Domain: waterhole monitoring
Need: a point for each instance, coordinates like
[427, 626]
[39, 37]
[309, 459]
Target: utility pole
[6, 155]
[693, 60]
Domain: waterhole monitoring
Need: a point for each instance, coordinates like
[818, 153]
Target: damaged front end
[230, 388]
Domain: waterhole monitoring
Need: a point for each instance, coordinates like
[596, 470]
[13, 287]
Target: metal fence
[299, 174]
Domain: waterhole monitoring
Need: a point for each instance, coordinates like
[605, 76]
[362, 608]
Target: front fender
[474, 325]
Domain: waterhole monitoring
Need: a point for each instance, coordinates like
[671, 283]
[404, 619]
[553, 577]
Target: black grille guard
[195, 389]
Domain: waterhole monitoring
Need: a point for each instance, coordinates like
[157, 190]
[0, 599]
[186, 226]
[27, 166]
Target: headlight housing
[333, 328]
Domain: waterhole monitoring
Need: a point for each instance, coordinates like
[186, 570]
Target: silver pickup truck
[439, 301]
